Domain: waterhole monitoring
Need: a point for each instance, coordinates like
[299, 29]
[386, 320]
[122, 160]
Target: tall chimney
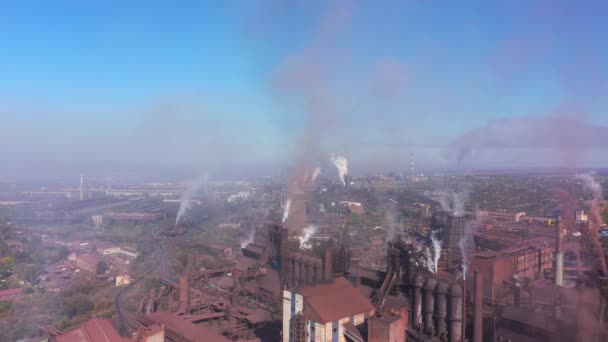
[411, 166]
[559, 253]
[183, 293]
[81, 187]
[478, 307]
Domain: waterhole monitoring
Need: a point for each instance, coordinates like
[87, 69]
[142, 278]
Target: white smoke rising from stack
[444, 201]
[185, 201]
[341, 164]
[307, 233]
[392, 227]
[429, 263]
[591, 185]
[286, 211]
[315, 173]
[249, 239]
[436, 250]
[459, 202]
[455, 202]
[595, 219]
[464, 242]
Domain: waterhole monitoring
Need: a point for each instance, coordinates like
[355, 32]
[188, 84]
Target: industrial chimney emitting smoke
[559, 253]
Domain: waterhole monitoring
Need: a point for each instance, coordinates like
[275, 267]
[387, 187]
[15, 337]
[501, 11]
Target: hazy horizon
[253, 89]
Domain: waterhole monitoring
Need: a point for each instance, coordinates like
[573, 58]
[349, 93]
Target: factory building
[328, 311]
[87, 262]
[499, 216]
[529, 259]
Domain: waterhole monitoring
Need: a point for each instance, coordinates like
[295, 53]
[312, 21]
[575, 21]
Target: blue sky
[240, 83]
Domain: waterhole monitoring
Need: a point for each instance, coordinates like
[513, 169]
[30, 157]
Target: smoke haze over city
[303, 170]
[171, 86]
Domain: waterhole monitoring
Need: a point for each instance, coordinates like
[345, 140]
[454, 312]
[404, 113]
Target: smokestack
[429, 305]
[417, 309]
[411, 166]
[455, 313]
[81, 187]
[478, 307]
[441, 308]
[559, 254]
[183, 293]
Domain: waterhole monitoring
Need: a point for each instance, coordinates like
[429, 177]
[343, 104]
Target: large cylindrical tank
[441, 308]
[455, 313]
[417, 310]
[429, 305]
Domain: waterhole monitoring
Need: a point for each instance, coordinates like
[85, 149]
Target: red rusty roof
[329, 302]
[185, 328]
[94, 330]
[11, 292]
[88, 258]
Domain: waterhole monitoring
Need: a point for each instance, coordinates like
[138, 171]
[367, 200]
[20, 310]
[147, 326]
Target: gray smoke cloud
[552, 132]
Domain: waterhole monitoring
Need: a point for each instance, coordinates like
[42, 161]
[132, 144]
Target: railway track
[129, 322]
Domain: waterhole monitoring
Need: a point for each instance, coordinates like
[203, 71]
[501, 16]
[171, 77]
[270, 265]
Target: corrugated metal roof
[185, 328]
[94, 330]
[329, 302]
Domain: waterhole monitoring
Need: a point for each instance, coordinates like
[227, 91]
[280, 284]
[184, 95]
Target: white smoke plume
[307, 233]
[591, 185]
[341, 164]
[595, 219]
[315, 173]
[429, 260]
[455, 202]
[444, 201]
[436, 250]
[185, 200]
[464, 244]
[459, 200]
[286, 211]
[392, 226]
[249, 239]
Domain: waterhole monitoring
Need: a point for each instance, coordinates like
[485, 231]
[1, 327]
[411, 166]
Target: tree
[101, 267]
[78, 305]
